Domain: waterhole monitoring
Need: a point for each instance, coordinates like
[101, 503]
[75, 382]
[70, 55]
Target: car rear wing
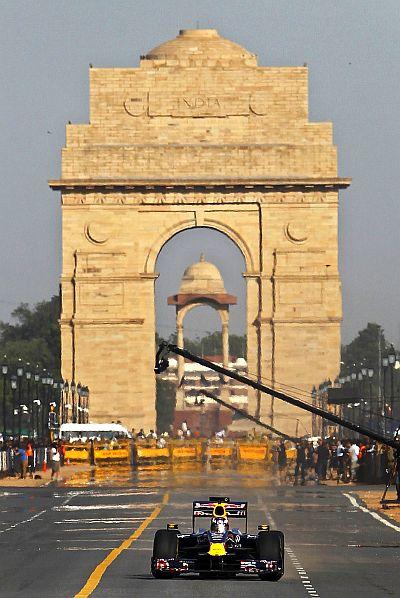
[234, 509]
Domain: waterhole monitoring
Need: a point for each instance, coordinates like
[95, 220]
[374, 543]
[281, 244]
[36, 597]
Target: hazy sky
[353, 51]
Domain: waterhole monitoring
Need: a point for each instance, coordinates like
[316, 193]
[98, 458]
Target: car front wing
[245, 566]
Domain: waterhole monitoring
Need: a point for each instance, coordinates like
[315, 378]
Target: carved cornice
[74, 198]
[161, 185]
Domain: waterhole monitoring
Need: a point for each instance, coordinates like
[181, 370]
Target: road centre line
[95, 577]
[373, 514]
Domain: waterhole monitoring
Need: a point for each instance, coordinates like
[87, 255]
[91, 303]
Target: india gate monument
[199, 135]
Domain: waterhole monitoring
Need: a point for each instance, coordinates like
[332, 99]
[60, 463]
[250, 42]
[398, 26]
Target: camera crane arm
[162, 364]
[243, 413]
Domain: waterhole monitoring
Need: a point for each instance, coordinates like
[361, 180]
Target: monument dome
[200, 47]
[202, 278]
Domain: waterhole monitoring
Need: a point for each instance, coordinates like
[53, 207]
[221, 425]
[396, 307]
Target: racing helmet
[219, 524]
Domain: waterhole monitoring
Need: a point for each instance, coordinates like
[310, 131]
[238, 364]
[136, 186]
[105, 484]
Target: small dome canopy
[200, 47]
[202, 278]
[241, 362]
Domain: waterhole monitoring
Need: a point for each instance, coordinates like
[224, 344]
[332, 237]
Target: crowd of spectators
[182, 433]
[343, 461]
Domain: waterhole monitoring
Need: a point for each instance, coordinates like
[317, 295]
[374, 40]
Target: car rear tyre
[165, 546]
[271, 547]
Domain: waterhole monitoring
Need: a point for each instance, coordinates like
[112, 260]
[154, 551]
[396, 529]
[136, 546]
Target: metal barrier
[187, 450]
[112, 453]
[149, 452]
[218, 451]
[77, 453]
[142, 452]
[6, 461]
[253, 451]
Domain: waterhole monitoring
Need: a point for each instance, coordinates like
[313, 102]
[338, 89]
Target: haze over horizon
[353, 56]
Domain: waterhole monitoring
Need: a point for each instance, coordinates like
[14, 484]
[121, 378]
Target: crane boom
[162, 364]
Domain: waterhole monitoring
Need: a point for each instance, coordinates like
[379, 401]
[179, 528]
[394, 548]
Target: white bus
[85, 432]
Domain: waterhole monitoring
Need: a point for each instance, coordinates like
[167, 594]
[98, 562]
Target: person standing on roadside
[321, 466]
[30, 455]
[55, 461]
[301, 463]
[340, 460]
[23, 461]
[282, 462]
[354, 452]
[61, 450]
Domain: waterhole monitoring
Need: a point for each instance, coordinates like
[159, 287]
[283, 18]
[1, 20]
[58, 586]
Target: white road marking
[5, 493]
[373, 514]
[97, 529]
[91, 540]
[107, 494]
[105, 521]
[74, 548]
[131, 506]
[84, 548]
[305, 580]
[17, 523]
[22, 522]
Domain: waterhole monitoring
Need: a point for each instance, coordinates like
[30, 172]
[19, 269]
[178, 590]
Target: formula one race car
[220, 551]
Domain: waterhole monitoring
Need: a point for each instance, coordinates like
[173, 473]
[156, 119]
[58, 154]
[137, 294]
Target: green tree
[211, 344]
[33, 336]
[165, 404]
[365, 349]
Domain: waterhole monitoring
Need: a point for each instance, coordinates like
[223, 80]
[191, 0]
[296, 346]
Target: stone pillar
[225, 344]
[181, 360]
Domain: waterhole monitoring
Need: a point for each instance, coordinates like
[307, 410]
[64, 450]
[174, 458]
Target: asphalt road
[52, 539]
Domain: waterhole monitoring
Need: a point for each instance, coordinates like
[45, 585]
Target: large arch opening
[176, 254]
[200, 298]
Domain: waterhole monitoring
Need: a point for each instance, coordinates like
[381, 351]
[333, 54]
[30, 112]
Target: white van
[85, 432]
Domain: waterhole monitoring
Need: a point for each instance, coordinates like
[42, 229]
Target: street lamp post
[14, 385]
[36, 401]
[43, 404]
[65, 402]
[20, 373]
[49, 401]
[79, 391]
[385, 364]
[87, 404]
[353, 377]
[28, 376]
[342, 381]
[370, 372]
[4, 371]
[73, 389]
[22, 410]
[392, 361]
[360, 386]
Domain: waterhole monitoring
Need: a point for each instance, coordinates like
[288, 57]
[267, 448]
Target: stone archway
[198, 135]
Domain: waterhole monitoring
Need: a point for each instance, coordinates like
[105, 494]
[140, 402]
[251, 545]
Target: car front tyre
[165, 546]
[271, 547]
